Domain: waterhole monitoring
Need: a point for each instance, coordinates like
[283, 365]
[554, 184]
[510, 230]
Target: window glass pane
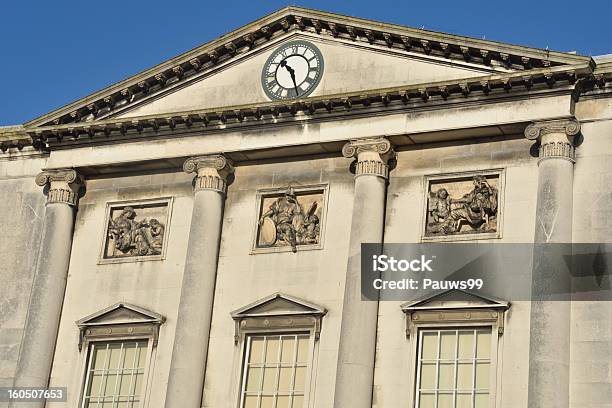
[447, 345]
[446, 376]
[482, 375]
[287, 352]
[253, 379]
[272, 350]
[109, 385]
[283, 401]
[428, 376]
[269, 380]
[464, 400]
[466, 344]
[256, 352]
[94, 384]
[430, 345]
[142, 358]
[483, 348]
[250, 401]
[298, 401]
[99, 356]
[130, 358]
[124, 383]
[115, 351]
[427, 400]
[302, 353]
[464, 376]
[445, 400]
[138, 379]
[267, 402]
[284, 380]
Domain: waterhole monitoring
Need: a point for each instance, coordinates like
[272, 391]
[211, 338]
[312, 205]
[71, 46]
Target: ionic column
[355, 371]
[549, 353]
[186, 380]
[47, 296]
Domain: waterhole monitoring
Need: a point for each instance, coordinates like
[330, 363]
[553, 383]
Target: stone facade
[188, 222]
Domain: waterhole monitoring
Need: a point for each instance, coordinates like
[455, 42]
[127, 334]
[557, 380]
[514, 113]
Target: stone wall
[22, 206]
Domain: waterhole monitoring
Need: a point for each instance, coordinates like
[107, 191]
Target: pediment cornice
[257, 34]
[572, 79]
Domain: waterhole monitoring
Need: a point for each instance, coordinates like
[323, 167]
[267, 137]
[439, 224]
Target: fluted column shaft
[187, 370]
[549, 354]
[49, 285]
[356, 354]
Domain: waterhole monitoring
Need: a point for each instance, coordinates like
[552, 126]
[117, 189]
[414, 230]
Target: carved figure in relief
[291, 224]
[478, 209]
[132, 237]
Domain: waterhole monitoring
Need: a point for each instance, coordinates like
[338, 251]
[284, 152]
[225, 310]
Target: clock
[293, 71]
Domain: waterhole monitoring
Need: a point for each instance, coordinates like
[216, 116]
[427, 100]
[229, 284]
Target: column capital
[64, 185]
[568, 126]
[556, 138]
[212, 172]
[372, 155]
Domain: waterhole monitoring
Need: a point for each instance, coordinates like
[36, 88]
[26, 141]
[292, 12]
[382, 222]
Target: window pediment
[120, 320]
[278, 312]
[455, 307]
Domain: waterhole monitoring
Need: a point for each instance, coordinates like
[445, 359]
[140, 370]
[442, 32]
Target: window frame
[492, 357]
[437, 313]
[309, 364]
[144, 399]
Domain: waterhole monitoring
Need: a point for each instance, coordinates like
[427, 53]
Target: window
[276, 338]
[454, 337]
[120, 342]
[454, 366]
[115, 373]
[275, 371]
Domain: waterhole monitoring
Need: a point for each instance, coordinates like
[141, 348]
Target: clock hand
[292, 74]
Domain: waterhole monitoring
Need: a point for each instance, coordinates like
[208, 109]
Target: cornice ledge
[387, 98]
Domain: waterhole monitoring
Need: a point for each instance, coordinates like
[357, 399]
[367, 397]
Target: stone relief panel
[290, 218]
[463, 206]
[136, 230]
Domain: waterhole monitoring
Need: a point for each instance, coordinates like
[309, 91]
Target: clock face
[293, 71]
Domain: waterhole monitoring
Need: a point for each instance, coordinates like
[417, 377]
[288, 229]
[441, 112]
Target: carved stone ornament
[290, 218]
[465, 206]
[556, 138]
[136, 230]
[372, 156]
[212, 172]
[64, 185]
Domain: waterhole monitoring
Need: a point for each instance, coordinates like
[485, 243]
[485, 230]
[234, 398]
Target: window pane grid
[114, 375]
[274, 373]
[453, 368]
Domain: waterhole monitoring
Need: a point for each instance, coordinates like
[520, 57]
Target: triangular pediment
[366, 54]
[455, 299]
[121, 313]
[278, 304]
[348, 67]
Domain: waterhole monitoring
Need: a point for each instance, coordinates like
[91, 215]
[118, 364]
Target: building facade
[191, 236]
